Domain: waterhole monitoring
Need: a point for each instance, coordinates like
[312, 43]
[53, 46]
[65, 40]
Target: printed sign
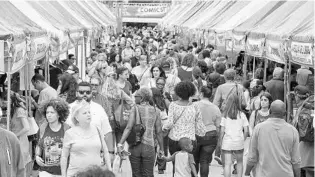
[1, 56]
[18, 57]
[211, 38]
[220, 40]
[228, 45]
[302, 53]
[38, 48]
[255, 47]
[147, 10]
[274, 51]
[238, 42]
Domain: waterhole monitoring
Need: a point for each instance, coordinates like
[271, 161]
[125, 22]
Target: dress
[16, 126]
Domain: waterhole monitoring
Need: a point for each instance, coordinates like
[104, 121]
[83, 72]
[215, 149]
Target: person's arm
[169, 123]
[158, 130]
[22, 115]
[192, 165]
[295, 155]
[106, 155]
[222, 132]
[171, 158]
[253, 153]
[217, 97]
[200, 126]
[18, 155]
[252, 122]
[218, 121]
[65, 153]
[130, 124]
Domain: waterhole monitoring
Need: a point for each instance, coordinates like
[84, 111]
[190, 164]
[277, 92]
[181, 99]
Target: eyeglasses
[104, 67]
[95, 85]
[170, 49]
[84, 91]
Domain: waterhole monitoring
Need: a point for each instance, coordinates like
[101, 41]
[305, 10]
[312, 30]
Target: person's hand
[112, 158]
[120, 149]
[40, 161]
[247, 174]
[161, 154]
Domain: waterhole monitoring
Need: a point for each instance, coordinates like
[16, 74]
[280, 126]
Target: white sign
[255, 47]
[238, 42]
[302, 53]
[274, 51]
[18, 57]
[1, 56]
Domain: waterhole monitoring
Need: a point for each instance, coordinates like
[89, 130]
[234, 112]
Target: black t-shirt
[51, 145]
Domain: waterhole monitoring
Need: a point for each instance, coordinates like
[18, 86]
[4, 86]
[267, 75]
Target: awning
[102, 12]
[141, 20]
[197, 15]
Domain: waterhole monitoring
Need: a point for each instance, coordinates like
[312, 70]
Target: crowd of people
[166, 102]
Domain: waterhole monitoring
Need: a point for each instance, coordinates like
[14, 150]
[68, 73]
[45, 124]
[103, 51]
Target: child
[234, 130]
[184, 161]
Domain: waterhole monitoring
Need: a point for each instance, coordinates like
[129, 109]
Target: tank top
[259, 118]
[184, 75]
[182, 168]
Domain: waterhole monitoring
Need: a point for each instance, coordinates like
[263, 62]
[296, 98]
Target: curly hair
[69, 85]
[185, 90]
[60, 106]
[95, 171]
[16, 103]
[146, 95]
[188, 60]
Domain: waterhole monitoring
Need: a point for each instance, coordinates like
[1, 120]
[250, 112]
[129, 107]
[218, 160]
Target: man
[276, 85]
[11, 158]
[46, 93]
[173, 54]
[224, 90]
[98, 115]
[274, 148]
[97, 97]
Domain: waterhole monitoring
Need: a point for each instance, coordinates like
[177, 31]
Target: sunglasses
[104, 67]
[160, 83]
[94, 85]
[83, 91]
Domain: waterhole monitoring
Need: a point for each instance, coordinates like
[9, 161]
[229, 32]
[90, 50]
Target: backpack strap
[42, 129]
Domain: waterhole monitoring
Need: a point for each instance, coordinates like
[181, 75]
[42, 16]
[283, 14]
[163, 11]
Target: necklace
[264, 113]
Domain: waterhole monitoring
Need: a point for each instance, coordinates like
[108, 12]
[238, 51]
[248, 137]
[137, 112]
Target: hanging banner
[64, 44]
[228, 45]
[2, 56]
[18, 60]
[220, 40]
[39, 47]
[146, 10]
[238, 42]
[255, 47]
[54, 48]
[301, 53]
[211, 38]
[274, 51]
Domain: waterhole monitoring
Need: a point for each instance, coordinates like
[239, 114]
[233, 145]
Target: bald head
[278, 109]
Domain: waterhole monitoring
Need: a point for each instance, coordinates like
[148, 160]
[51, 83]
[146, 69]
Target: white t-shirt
[233, 135]
[99, 117]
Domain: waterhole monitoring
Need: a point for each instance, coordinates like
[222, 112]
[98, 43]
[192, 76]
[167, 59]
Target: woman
[132, 79]
[67, 87]
[122, 82]
[198, 81]
[214, 78]
[184, 118]
[234, 130]
[142, 156]
[156, 72]
[48, 150]
[185, 70]
[127, 53]
[102, 70]
[135, 60]
[83, 144]
[258, 90]
[142, 71]
[246, 87]
[211, 117]
[20, 127]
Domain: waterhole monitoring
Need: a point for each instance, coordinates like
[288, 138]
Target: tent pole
[254, 67]
[289, 108]
[285, 83]
[82, 58]
[245, 66]
[265, 70]
[9, 93]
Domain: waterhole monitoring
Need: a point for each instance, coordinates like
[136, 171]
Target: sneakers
[218, 159]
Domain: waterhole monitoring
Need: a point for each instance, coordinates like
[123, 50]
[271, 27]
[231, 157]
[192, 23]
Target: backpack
[304, 119]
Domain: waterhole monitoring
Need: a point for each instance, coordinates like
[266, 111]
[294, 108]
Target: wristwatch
[111, 152]
[119, 145]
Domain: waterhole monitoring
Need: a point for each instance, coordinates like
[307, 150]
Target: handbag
[137, 131]
[102, 148]
[120, 116]
[33, 126]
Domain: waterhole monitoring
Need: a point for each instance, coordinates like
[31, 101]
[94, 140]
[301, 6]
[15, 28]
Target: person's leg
[239, 159]
[205, 159]
[227, 163]
[135, 159]
[173, 147]
[309, 172]
[148, 159]
[197, 156]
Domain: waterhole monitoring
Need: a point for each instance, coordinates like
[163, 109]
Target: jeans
[160, 162]
[204, 150]
[45, 174]
[142, 160]
[174, 147]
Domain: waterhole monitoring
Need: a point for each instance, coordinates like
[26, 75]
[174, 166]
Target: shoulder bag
[135, 136]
